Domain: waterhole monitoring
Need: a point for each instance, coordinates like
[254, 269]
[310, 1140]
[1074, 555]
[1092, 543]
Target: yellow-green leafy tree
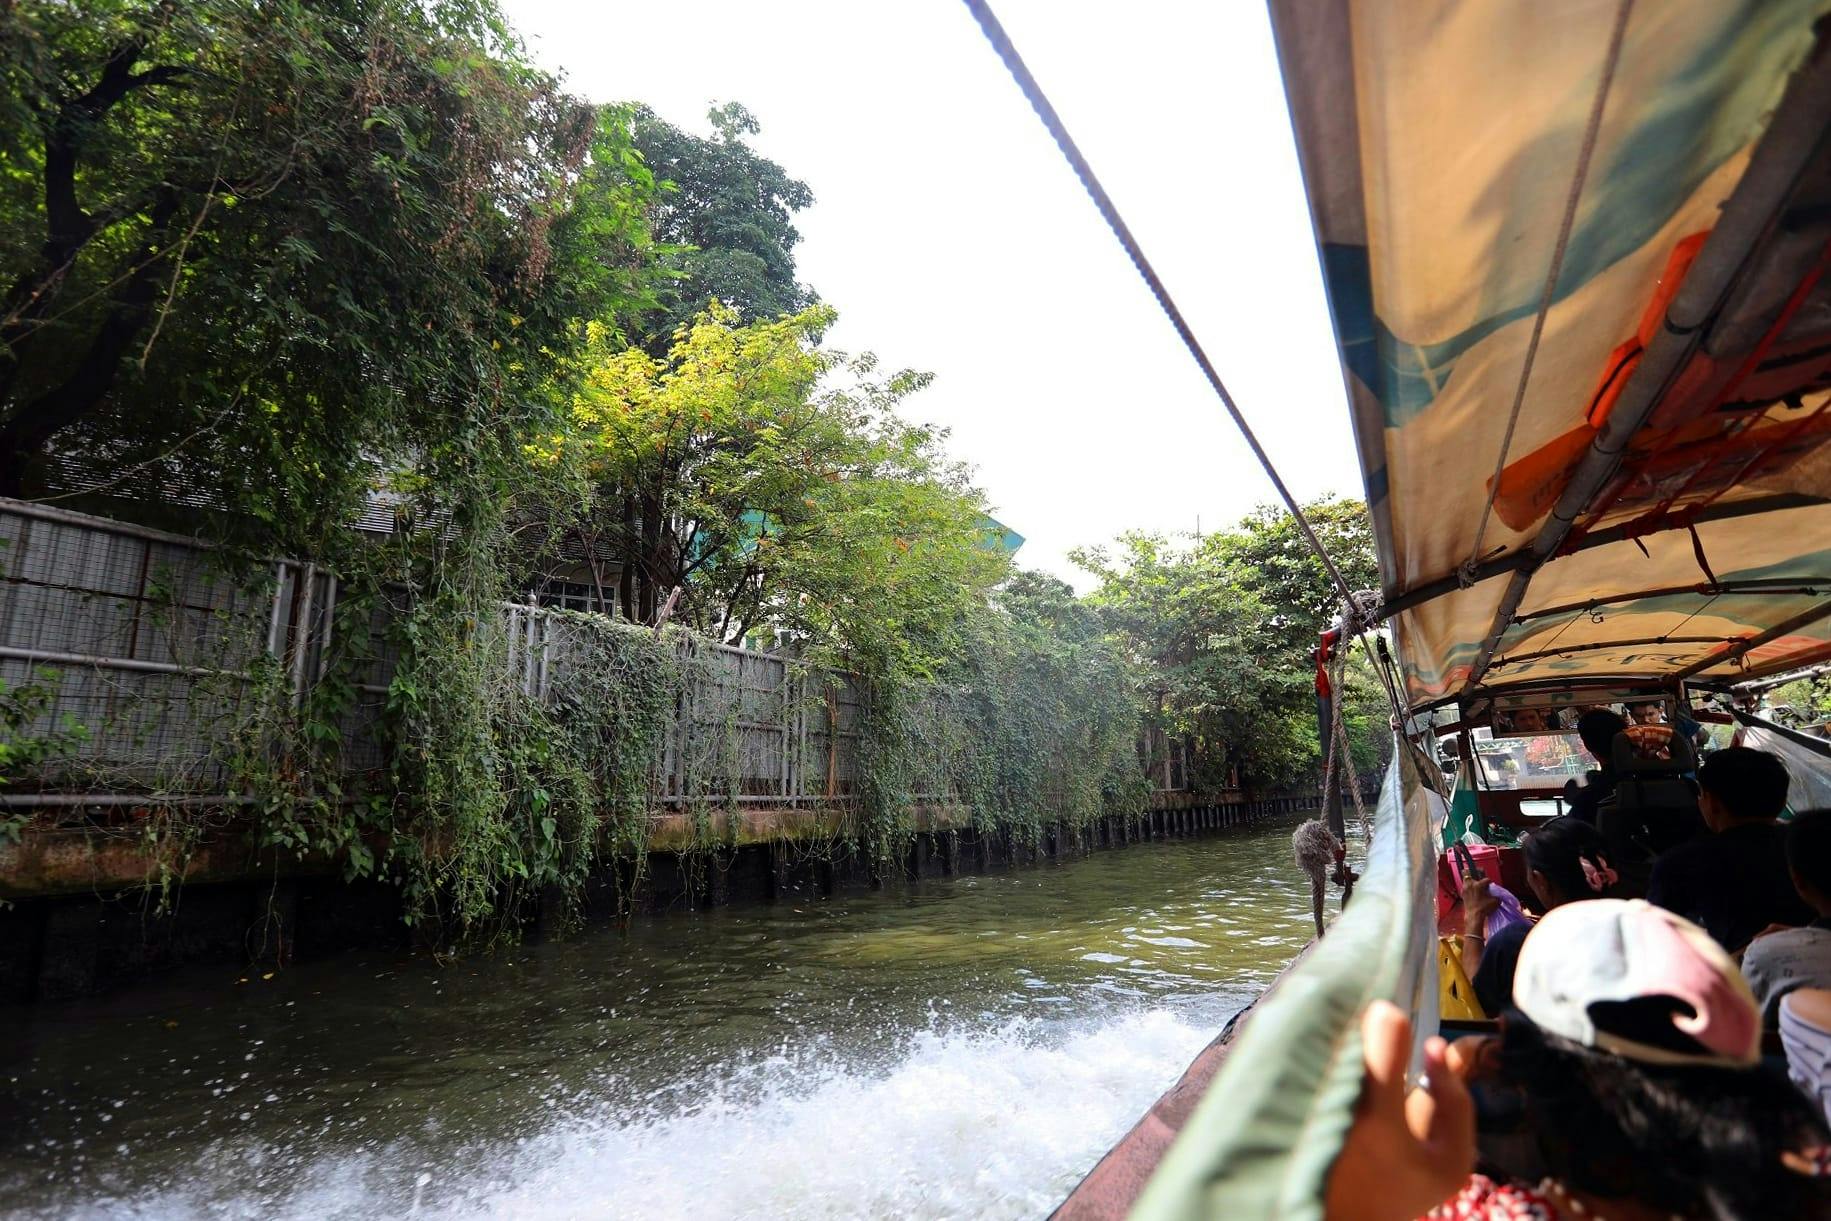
[773, 482]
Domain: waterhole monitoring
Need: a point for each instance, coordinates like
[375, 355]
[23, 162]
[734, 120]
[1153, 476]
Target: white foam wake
[984, 1123]
[997, 1124]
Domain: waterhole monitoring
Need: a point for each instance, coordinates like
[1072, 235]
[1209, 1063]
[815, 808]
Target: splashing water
[969, 1049]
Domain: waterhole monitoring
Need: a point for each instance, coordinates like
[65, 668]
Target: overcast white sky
[951, 236]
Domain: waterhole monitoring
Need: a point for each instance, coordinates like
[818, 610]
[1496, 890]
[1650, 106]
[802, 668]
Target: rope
[1328, 767]
[1039, 102]
[1607, 81]
[1354, 780]
[1339, 744]
[1355, 610]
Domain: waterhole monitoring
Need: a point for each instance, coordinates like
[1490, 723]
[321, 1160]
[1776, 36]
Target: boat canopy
[1575, 252]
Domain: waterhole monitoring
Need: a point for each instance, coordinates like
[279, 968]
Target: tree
[1274, 558]
[262, 250]
[1804, 701]
[728, 216]
[774, 483]
[1224, 631]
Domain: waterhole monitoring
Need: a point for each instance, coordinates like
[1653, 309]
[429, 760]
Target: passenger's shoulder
[1788, 941]
[1676, 860]
[1674, 869]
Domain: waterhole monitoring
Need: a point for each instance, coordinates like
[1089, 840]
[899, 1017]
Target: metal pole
[55, 657]
[279, 608]
[527, 666]
[301, 630]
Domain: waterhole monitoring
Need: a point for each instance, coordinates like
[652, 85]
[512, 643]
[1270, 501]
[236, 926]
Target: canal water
[967, 1047]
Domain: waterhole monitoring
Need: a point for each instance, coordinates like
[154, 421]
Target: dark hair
[1750, 783]
[1598, 728]
[1808, 850]
[1559, 847]
[1688, 1139]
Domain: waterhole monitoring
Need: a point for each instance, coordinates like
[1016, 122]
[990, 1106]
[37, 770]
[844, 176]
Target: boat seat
[1654, 805]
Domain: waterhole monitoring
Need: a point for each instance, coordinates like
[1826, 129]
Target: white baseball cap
[1636, 980]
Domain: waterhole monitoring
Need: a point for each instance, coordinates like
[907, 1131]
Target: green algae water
[965, 1047]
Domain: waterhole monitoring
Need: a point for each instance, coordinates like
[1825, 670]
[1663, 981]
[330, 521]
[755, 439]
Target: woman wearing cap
[1636, 1044]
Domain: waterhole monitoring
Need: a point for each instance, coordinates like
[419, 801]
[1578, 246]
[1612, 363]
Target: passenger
[1779, 961]
[1652, 712]
[1597, 728]
[1734, 881]
[1805, 1032]
[1566, 861]
[1636, 1044]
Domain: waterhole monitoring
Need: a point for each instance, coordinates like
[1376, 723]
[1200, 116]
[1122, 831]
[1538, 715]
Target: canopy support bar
[1755, 686]
[1772, 587]
[1430, 591]
[1601, 645]
[1783, 153]
[1739, 648]
[1809, 659]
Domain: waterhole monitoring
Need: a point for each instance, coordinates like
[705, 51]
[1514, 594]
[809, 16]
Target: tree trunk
[626, 575]
[653, 562]
[32, 424]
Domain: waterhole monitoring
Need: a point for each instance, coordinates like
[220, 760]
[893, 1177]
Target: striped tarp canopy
[1645, 190]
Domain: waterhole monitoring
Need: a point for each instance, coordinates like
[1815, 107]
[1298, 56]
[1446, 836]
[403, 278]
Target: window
[1542, 762]
[571, 595]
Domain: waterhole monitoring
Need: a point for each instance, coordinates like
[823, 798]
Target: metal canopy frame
[1741, 646]
[1602, 646]
[1771, 587]
[1785, 151]
[1442, 587]
[1782, 155]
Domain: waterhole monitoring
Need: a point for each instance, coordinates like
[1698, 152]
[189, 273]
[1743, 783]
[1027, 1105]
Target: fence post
[785, 715]
[801, 786]
[527, 648]
[832, 741]
[324, 637]
[279, 608]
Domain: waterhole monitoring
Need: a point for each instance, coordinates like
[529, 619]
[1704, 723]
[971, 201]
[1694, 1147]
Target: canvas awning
[1664, 512]
[1688, 328]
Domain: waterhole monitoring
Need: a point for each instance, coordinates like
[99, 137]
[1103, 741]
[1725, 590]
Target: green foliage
[1804, 701]
[775, 483]
[24, 744]
[519, 790]
[285, 253]
[1035, 722]
[727, 215]
[265, 249]
[1224, 631]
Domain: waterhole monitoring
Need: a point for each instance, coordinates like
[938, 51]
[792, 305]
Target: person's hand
[1478, 903]
[1474, 1057]
[1772, 928]
[1404, 1154]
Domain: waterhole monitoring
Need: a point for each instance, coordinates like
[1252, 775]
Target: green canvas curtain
[1262, 1140]
[1465, 808]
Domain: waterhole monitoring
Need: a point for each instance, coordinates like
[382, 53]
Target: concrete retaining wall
[100, 926]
